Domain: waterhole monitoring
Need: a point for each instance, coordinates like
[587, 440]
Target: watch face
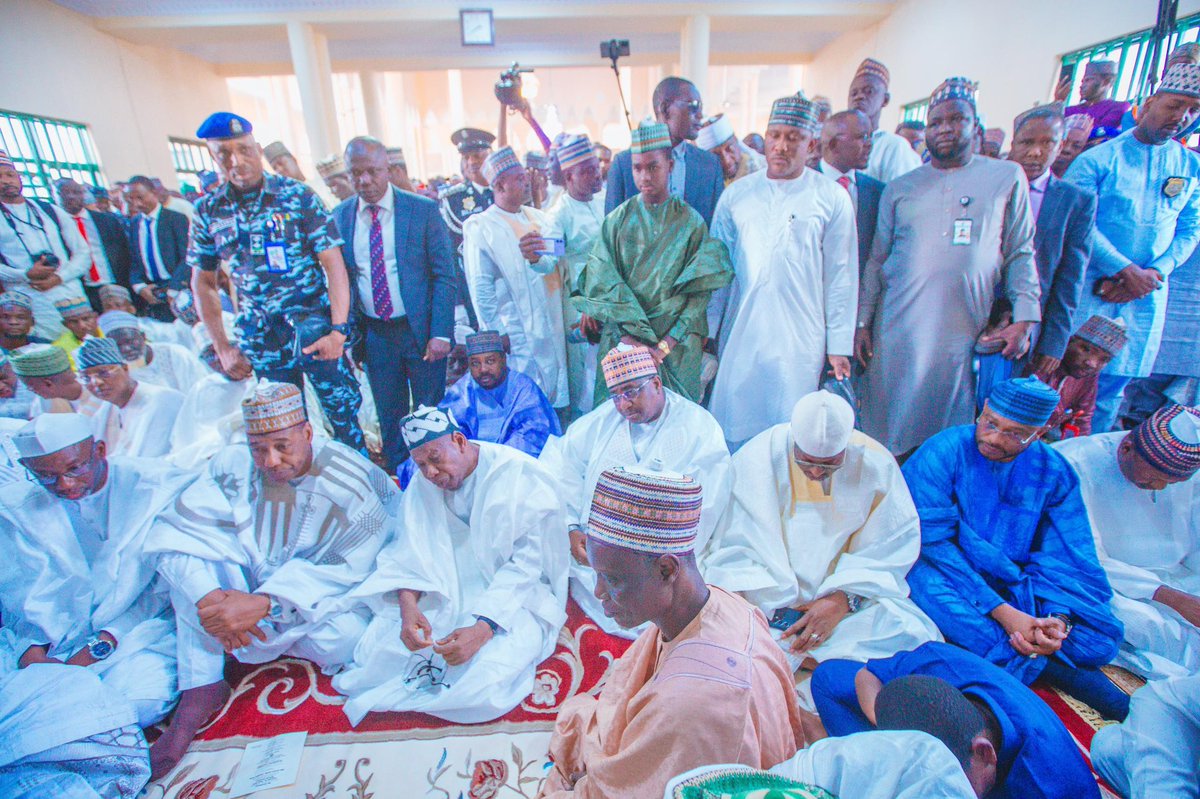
[100, 650]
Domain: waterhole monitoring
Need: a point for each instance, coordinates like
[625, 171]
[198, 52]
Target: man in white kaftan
[210, 417]
[1143, 501]
[134, 418]
[514, 281]
[471, 595]
[791, 308]
[163, 364]
[821, 521]
[644, 425]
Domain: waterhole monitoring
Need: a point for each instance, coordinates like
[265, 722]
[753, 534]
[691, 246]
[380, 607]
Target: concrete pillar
[693, 51]
[373, 104]
[310, 62]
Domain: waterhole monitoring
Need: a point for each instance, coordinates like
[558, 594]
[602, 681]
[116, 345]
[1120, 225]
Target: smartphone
[1067, 73]
[784, 618]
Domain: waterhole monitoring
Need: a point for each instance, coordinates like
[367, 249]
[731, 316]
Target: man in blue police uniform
[462, 200]
[285, 259]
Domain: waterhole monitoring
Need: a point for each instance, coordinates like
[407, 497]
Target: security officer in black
[462, 200]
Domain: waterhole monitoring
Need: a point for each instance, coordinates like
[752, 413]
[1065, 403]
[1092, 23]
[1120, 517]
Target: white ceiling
[250, 37]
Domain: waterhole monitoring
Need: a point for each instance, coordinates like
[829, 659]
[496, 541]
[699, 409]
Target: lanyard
[34, 222]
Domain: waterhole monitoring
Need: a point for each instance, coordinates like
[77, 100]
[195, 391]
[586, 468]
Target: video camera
[508, 88]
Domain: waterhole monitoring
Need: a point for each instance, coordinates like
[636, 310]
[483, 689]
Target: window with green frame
[1133, 54]
[45, 149]
[190, 157]
[915, 111]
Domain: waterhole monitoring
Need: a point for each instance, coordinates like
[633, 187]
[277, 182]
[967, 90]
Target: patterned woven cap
[1082, 122]
[736, 782]
[624, 363]
[16, 299]
[797, 111]
[652, 512]
[484, 341]
[1107, 334]
[1186, 53]
[714, 132]
[573, 151]
[40, 360]
[73, 307]
[113, 290]
[499, 162]
[331, 167]
[536, 160]
[6, 160]
[649, 136]
[271, 407]
[426, 424]
[395, 156]
[994, 136]
[875, 69]
[1182, 78]
[1170, 440]
[954, 89]
[1101, 68]
[112, 321]
[274, 150]
[98, 352]
[1024, 400]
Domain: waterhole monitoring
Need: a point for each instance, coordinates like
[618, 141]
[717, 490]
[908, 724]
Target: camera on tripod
[508, 88]
[614, 49]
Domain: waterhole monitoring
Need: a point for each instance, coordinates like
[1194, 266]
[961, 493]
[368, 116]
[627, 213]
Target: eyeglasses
[827, 468]
[99, 374]
[694, 107]
[632, 394]
[1016, 438]
[50, 479]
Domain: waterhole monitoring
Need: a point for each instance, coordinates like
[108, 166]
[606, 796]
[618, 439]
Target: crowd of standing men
[858, 433]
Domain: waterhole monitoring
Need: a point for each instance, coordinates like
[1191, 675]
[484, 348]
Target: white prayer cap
[715, 131]
[821, 424]
[50, 432]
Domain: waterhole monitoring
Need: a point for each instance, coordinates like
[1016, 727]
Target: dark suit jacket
[1062, 246]
[869, 192]
[703, 181]
[115, 241]
[423, 256]
[172, 235]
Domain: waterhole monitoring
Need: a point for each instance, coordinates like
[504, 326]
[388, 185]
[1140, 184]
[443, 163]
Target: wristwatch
[276, 611]
[1064, 618]
[664, 349]
[345, 328]
[98, 648]
[854, 602]
[495, 628]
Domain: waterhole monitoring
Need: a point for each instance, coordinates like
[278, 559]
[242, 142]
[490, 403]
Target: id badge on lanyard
[960, 232]
[277, 261]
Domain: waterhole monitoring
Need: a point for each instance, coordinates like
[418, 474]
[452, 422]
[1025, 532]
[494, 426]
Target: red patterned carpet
[400, 755]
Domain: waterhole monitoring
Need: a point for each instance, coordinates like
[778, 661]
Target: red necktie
[94, 272]
[844, 182]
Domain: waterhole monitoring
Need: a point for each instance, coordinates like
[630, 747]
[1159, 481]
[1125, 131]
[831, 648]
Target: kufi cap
[50, 432]
[1186, 53]
[484, 341]
[875, 69]
[499, 162]
[274, 150]
[536, 160]
[270, 407]
[426, 424]
[1049, 110]
[655, 512]
[650, 135]
[18, 299]
[994, 136]
[1100, 68]
[113, 290]
[73, 307]
[797, 111]
[1082, 122]
[395, 156]
[624, 363]
[573, 151]
[6, 160]
[40, 360]
[714, 132]
[208, 179]
[741, 782]
[954, 89]
[223, 125]
[98, 352]
[821, 424]
[1169, 440]
[331, 167]
[823, 105]
[1107, 334]
[470, 139]
[1024, 400]
[112, 321]
[1182, 78]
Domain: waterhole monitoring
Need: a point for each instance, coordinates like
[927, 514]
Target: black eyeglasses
[632, 394]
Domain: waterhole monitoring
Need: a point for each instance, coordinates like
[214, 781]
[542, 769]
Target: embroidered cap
[821, 424]
[954, 89]
[1101, 68]
[98, 352]
[499, 162]
[536, 160]
[16, 299]
[624, 363]
[655, 512]
[112, 321]
[73, 307]
[742, 782]
[1107, 334]
[573, 151]
[271, 407]
[797, 111]
[875, 69]
[395, 156]
[6, 160]
[1182, 78]
[275, 149]
[223, 125]
[40, 360]
[331, 167]
[426, 424]
[484, 341]
[649, 136]
[1024, 400]
[1169, 440]
[714, 132]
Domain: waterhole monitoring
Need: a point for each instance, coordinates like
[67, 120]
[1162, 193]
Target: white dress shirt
[362, 254]
[96, 245]
[147, 238]
[834, 174]
[678, 179]
[891, 156]
[1037, 193]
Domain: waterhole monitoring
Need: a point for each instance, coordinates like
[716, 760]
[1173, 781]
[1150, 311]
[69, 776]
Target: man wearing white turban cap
[820, 535]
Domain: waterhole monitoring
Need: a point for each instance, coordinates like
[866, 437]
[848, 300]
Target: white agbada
[685, 438]
[72, 569]
[516, 298]
[495, 547]
[880, 764]
[172, 367]
[87, 405]
[142, 429]
[1145, 539]
[209, 419]
[306, 543]
[785, 541]
[891, 156]
[793, 300]
[178, 333]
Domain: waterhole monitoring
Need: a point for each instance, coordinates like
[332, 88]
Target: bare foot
[196, 707]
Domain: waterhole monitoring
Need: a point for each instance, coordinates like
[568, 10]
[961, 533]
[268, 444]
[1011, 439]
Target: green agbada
[650, 275]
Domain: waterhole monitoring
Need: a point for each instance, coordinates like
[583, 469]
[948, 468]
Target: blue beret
[1025, 400]
[223, 125]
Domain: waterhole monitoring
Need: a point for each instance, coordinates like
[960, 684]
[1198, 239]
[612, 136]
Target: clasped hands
[232, 616]
[416, 633]
[1029, 635]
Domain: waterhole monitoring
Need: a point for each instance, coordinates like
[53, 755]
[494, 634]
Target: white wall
[57, 64]
[1011, 48]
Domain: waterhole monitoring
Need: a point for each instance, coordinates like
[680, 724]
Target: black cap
[470, 139]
